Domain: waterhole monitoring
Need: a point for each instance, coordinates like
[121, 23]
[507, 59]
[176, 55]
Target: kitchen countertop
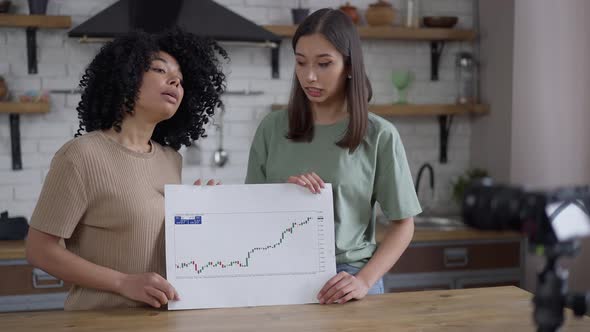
[16, 249]
[12, 250]
[481, 309]
[433, 234]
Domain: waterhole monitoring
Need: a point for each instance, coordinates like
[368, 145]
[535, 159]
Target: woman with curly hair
[143, 97]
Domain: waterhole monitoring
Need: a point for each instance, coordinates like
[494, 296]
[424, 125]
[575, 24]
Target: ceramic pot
[351, 12]
[380, 13]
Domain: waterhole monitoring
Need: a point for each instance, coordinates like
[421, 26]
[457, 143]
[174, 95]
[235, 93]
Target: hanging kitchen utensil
[220, 157]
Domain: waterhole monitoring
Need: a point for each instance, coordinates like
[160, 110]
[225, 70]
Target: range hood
[202, 17]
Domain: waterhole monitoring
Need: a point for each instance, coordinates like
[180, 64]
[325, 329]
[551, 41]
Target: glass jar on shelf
[412, 17]
[466, 78]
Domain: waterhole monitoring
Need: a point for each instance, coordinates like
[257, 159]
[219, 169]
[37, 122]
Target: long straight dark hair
[339, 30]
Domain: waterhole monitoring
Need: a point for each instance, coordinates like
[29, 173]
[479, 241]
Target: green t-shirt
[376, 171]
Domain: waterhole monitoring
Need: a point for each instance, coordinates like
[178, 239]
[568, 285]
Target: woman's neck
[329, 112]
[134, 135]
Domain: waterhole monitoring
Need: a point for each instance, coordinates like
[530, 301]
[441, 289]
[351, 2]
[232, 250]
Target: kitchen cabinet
[458, 264]
[24, 287]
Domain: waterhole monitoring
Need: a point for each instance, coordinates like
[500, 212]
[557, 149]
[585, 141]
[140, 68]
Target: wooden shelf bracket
[32, 50]
[274, 60]
[17, 161]
[15, 109]
[444, 122]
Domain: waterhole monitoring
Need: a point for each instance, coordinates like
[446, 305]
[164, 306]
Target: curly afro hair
[111, 84]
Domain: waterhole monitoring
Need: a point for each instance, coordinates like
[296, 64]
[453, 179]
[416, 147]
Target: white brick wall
[62, 60]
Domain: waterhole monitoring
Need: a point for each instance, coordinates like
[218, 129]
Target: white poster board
[248, 245]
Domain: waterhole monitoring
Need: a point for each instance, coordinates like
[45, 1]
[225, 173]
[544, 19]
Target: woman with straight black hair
[327, 135]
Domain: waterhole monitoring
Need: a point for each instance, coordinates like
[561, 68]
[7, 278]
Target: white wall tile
[43, 69]
[60, 83]
[19, 83]
[22, 177]
[27, 192]
[4, 67]
[6, 192]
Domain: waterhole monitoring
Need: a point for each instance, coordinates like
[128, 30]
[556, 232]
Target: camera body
[546, 217]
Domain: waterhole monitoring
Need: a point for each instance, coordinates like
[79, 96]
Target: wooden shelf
[427, 109]
[418, 109]
[20, 108]
[35, 21]
[30, 23]
[396, 33]
[436, 36]
[442, 111]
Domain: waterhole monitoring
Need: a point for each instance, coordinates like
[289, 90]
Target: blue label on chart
[187, 220]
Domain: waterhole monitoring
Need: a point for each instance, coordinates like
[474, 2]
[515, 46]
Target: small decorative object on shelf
[380, 13]
[446, 22]
[412, 19]
[401, 80]
[38, 7]
[5, 6]
[466, 78]
[34, 97]
[351, 12]
[299, 13]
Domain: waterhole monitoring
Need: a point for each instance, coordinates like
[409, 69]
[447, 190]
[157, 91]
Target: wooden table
[483, 309]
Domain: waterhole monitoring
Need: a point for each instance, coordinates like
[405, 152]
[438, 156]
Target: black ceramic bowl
[440, 21]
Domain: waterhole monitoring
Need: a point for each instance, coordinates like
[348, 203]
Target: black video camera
[553, 221]
[546, 217]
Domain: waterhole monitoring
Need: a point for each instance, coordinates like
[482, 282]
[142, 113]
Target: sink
[439, 223]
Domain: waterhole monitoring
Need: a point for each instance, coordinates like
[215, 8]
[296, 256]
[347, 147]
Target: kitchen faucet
[431, 171]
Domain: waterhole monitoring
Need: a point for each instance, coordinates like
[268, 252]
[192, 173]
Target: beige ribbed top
[107, 202]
